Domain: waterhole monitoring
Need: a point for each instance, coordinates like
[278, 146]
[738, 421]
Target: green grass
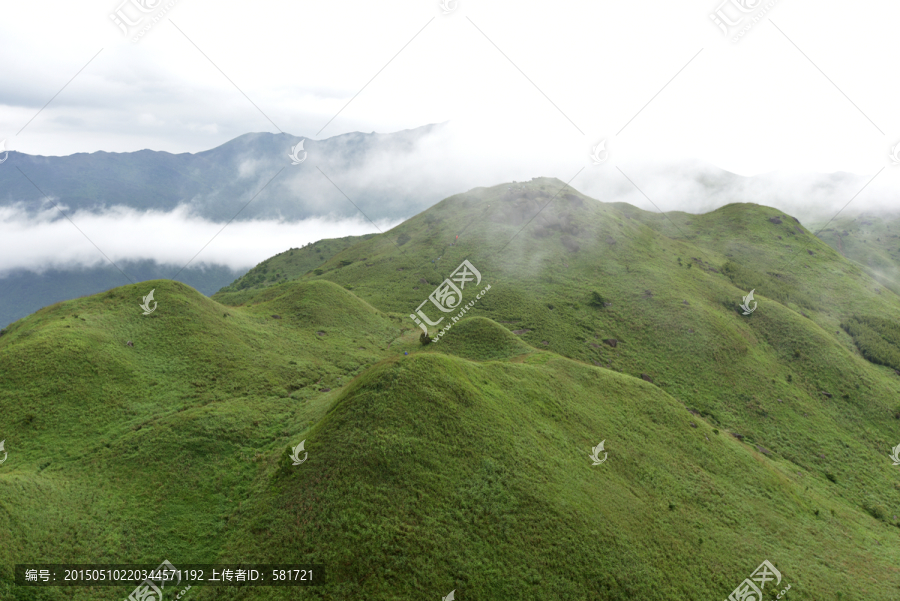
[871, 241]
[877, 339]
[464, 464]
[285, 266]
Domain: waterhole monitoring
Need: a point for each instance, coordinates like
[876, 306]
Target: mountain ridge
[731, 439]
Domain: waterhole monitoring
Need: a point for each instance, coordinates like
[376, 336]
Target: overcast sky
[528, 87]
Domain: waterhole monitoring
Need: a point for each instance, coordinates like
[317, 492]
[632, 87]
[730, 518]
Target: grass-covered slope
[464, 464]
[432, 473]
[872, 240]
[22, 292]
[481, 339]
[123, 453]
[289, 265]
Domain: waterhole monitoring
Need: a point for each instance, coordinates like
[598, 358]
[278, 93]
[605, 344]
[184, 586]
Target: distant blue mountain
[218, 182]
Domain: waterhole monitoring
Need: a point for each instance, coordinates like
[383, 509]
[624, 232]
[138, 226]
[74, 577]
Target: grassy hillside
[464, 465]
[289, 265]
[872, 240]
[22, 291]
[479, 482]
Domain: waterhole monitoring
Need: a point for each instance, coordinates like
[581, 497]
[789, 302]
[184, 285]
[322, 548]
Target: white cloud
[171, 238]
[528, 89]
[751, 108]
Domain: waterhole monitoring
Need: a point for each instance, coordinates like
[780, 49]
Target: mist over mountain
[390, 176]
[171, 210]
[602, 418]
[450, 300]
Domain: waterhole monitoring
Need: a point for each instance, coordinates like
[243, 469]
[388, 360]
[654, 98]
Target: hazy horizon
[174, 236]
[804, 124]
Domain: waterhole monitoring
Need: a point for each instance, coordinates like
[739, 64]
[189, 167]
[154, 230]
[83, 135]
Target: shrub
[876, 510]
[403, 239]
[597, 300]
[424, 338]
[319, 271]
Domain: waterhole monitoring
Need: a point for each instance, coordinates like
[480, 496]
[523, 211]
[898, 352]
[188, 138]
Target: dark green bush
[876, 510]
[597, 300]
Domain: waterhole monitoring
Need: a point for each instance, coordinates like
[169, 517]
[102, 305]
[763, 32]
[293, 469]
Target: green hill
[464, 465]
[872, 240]
[289, 265]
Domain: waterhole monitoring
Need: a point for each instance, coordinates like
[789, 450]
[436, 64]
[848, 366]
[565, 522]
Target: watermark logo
[5, 453]
[448, 6]
[123, 21]
[746, 305]
[895, 455]
[4, 151]
[447, 297]
[148, 591]
[595, 453]
[295, 156]
[597, 151]
[738, 16]
[748, 589]
[295, 453]
[142, 18]
[895, 153]
[146, 305]
[449, 597]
